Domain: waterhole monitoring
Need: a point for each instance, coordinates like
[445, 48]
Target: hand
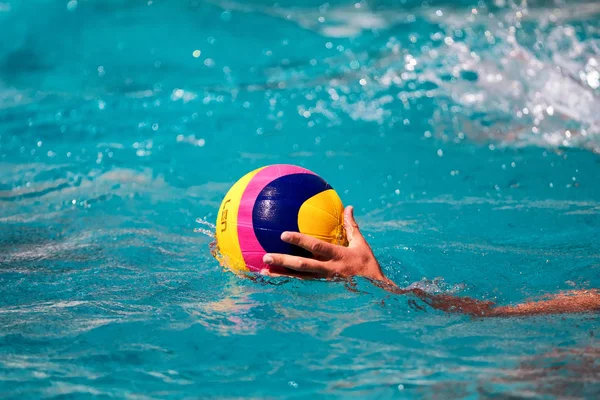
[330, 260]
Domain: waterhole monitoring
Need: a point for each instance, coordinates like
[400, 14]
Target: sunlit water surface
[466, 135]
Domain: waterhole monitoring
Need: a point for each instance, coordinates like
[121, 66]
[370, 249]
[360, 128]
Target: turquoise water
[465, 134]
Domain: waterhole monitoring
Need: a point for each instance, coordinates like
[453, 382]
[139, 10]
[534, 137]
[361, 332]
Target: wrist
[377, 275]
[383, 282]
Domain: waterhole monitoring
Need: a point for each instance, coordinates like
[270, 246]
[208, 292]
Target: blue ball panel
[276, 210]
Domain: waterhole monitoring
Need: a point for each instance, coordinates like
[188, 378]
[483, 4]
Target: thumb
[352, 230]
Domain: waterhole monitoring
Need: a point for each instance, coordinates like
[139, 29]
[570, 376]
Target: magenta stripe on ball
[251, 248]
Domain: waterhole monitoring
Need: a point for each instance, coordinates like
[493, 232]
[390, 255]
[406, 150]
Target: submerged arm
[573, 301]
[445, 302]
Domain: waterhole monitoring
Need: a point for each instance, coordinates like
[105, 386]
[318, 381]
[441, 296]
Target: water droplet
[593, 79]
[226, 16]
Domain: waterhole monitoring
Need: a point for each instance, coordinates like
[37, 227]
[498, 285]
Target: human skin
[332, 261]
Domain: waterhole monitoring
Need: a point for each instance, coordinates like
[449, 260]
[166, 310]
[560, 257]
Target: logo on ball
[224, 216]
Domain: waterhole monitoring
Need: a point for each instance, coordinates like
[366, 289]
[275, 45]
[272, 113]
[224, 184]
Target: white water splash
[210, 232]
[529, 86]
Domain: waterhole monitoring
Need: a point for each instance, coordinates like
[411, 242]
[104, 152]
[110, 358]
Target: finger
[315, 246]
[352, 229]
[289, 274]
[299, 264]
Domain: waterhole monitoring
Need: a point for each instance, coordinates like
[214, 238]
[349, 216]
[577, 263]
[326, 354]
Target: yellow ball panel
[228, 245]
[322, 216]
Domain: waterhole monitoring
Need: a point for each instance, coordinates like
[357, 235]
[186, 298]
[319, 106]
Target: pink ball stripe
[252, 251]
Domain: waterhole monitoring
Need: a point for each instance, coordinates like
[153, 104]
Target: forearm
[443, 302]
[578, 301]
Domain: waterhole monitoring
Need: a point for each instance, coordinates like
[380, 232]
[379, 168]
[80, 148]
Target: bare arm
[573, 301]
[358, 260]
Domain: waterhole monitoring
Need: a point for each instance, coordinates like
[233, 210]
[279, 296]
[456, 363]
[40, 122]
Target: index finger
[290, 274]
[315, 246]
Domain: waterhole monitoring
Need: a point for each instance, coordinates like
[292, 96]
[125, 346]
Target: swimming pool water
[465, 134]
